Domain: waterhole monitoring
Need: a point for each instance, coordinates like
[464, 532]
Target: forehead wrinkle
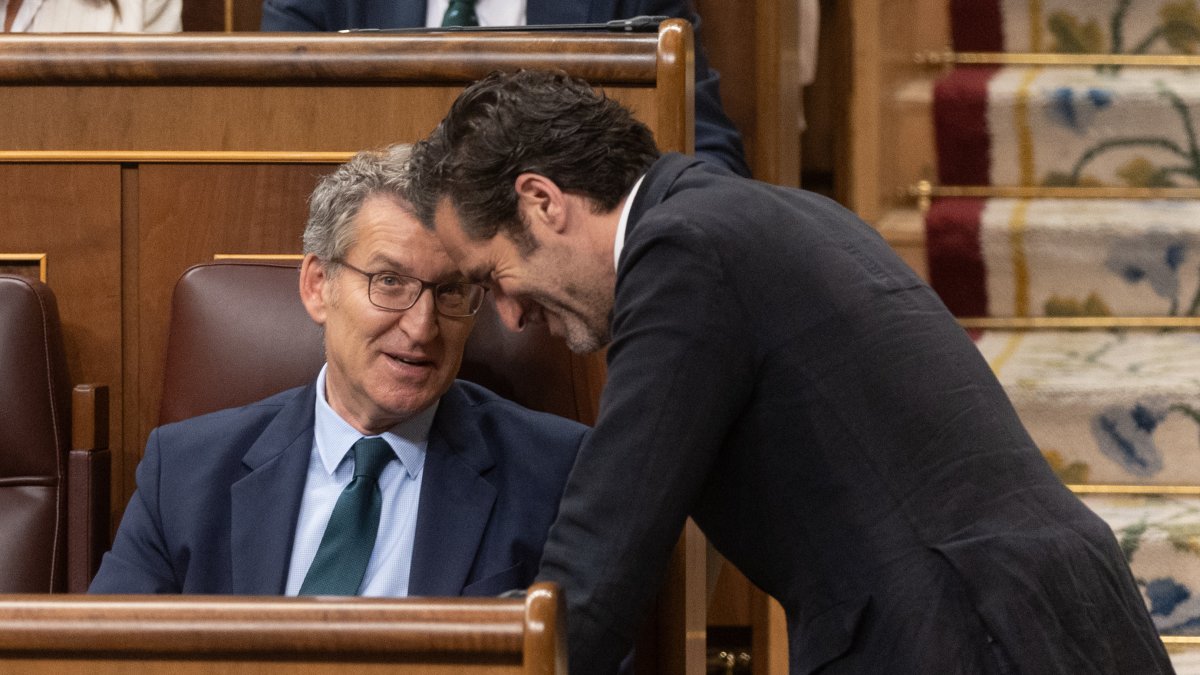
[392, 265]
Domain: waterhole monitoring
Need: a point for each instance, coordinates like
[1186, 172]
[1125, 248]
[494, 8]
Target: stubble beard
[582, 338]
[587, 325]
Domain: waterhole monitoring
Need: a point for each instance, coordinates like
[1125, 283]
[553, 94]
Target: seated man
[385, 476]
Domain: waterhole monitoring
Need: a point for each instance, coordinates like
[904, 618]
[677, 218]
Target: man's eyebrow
[383, 263]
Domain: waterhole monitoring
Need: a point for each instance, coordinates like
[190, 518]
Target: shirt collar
[334, 435]
[619, 244]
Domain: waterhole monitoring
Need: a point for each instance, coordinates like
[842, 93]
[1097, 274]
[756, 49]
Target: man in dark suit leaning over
[717, 140]
[776, 372]
[384, 477]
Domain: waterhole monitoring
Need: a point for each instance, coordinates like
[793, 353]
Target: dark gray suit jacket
[716, 138]
[777, 373]
[218, 496]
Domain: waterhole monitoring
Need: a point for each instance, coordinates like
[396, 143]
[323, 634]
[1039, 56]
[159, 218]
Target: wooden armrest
[114, 634]
[89, 466]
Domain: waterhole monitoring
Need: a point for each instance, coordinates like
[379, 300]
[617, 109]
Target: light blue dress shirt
[330, 470]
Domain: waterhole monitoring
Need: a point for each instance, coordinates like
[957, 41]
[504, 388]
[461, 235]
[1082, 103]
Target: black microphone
[637, 24]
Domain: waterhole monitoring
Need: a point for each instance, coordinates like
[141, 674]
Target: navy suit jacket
[716, 138]
[777, 373]
[218, 497]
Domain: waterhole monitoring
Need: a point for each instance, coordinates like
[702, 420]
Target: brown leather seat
[239, 333]
[52, 538]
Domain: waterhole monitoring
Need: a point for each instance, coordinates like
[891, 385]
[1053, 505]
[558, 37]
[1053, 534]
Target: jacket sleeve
[717, 140]
[138, 561]
[678, 372]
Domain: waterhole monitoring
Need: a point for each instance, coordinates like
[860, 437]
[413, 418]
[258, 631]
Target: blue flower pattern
[1075, 109]
[1127, 437]
[1154, 259]
[1165, 595]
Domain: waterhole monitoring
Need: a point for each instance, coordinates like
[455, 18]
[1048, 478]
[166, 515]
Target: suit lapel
[266, 502]
[456, 501]
[656, 186]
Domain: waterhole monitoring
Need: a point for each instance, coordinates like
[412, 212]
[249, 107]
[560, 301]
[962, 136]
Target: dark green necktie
[460, 13]
[349, 538]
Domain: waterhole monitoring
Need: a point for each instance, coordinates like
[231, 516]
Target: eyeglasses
[398, 292]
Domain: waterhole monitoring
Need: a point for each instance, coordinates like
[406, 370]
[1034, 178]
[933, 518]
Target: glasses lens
[394, 291]
[459, 299]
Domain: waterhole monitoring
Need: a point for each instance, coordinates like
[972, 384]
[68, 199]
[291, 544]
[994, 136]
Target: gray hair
[339, 196]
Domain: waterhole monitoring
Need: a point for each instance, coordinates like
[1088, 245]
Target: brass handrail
[924, 190]
[1147, 490]
[953, 58]
[1079, 322]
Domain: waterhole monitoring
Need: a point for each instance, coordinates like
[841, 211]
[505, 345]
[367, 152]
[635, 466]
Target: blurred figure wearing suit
[245, 501]
[716, 138]
[776, 372]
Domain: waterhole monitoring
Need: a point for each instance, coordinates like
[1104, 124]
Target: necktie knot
[371, 455]
[460, 13]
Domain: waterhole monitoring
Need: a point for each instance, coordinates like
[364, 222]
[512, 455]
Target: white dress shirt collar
[334, 436]
[623, 223]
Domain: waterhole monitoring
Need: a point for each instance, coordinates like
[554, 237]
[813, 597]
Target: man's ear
[540, 201]
[314, 280]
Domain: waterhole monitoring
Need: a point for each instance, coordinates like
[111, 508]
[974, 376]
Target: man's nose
[421, 320]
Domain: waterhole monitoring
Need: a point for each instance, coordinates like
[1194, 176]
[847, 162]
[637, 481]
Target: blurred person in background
[91, 16]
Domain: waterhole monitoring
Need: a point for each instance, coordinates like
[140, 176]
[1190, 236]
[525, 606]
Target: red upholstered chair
[53, 490]
[240, 333]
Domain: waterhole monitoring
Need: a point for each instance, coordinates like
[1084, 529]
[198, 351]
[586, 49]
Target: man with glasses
[399, 479]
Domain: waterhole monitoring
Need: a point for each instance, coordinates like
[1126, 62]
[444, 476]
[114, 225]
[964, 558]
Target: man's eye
[452, 291]
[389, 280]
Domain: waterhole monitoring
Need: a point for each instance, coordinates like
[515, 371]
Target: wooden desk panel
[72, 213]
[178, 121]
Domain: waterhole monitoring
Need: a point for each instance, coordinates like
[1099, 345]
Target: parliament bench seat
[54, 459]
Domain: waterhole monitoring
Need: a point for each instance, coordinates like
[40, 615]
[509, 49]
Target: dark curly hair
[544, 122]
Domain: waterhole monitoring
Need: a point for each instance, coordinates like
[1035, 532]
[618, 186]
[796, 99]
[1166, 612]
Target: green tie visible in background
[460, 13]
[349, 538]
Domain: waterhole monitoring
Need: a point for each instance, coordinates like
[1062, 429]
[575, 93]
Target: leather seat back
[35, 400]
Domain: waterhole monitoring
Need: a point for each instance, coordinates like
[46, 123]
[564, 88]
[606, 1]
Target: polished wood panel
[72, 213]
[890, 129]
[446, 59]
[116, 634]
[204, 118]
